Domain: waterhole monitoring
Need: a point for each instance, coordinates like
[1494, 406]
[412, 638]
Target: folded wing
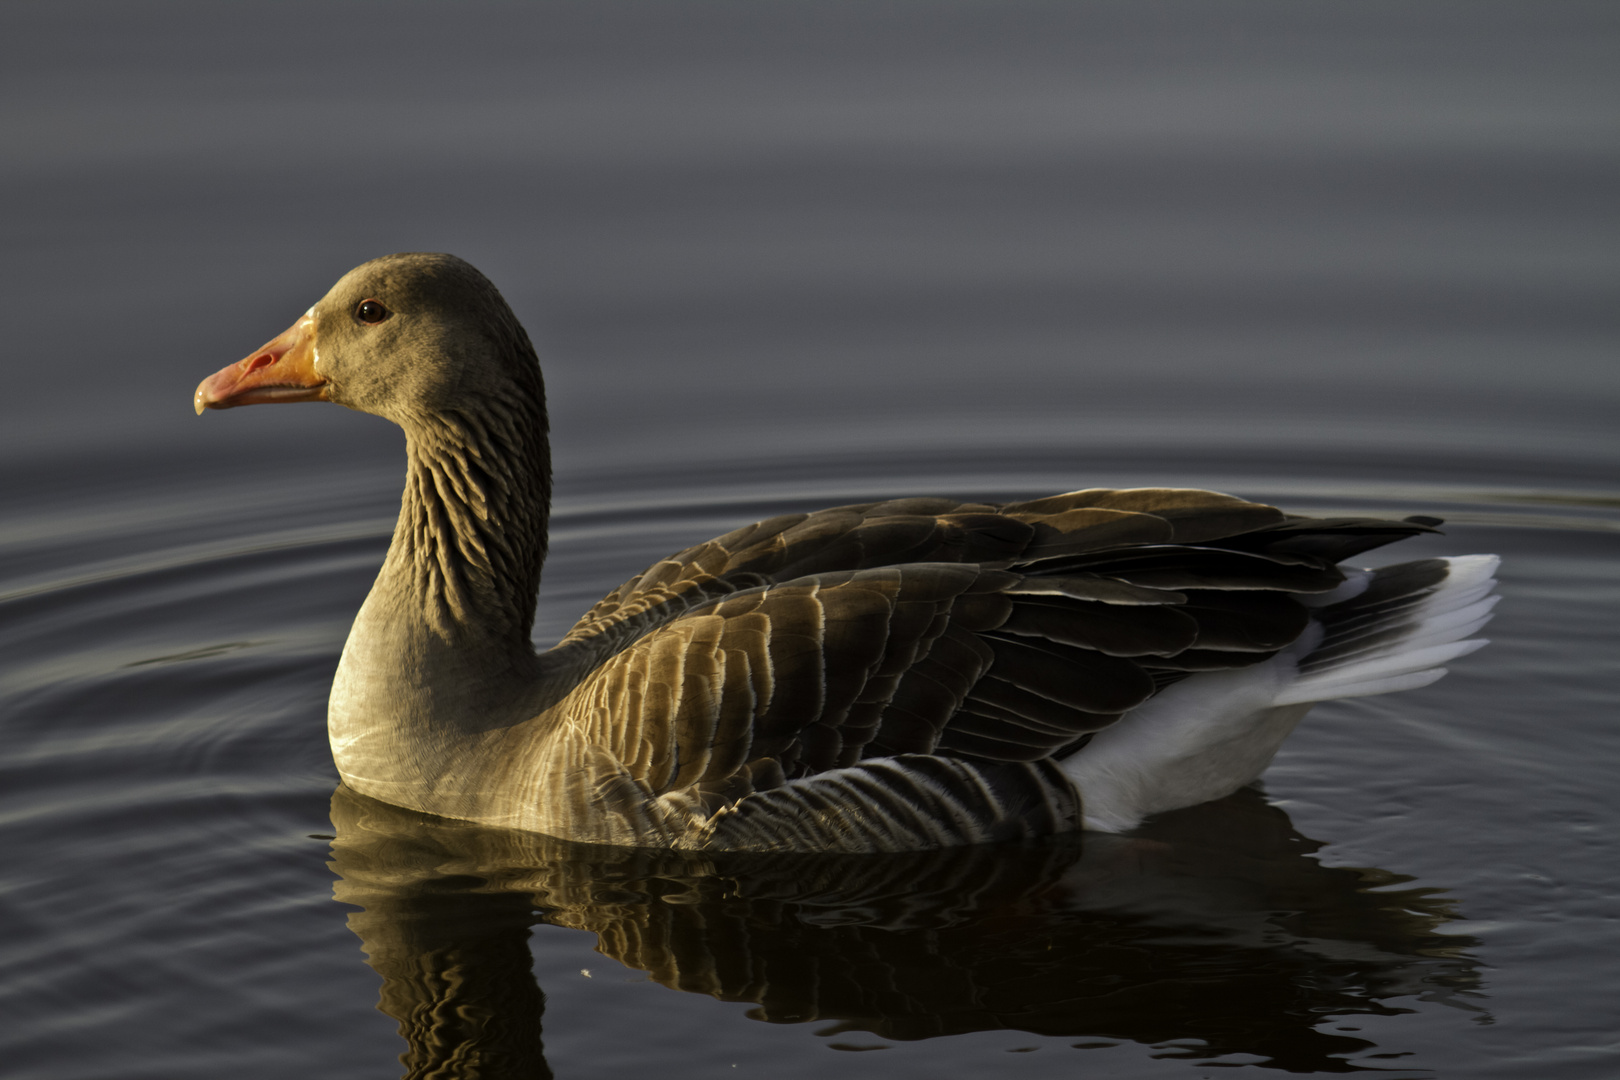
[756, 684]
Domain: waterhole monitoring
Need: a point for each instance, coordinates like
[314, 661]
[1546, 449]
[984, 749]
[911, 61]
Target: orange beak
[280, 370]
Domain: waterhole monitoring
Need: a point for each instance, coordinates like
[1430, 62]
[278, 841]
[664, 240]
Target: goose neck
[471, 538]
[440, 654]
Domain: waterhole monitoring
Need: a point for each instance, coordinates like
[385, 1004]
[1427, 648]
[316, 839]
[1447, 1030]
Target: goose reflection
[1211, 925]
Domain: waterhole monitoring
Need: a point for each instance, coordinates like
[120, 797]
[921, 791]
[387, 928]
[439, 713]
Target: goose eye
[370, 311]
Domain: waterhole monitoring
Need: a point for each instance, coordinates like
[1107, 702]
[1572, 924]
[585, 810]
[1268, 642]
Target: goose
[886, 676]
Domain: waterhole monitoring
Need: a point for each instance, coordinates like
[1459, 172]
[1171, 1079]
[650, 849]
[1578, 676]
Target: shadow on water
[1212, 926]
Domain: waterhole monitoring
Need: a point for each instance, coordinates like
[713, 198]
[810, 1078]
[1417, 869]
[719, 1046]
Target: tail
[1392, 629]
[1208, 735]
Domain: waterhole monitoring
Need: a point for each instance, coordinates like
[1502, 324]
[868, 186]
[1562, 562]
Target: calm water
[1340, 256]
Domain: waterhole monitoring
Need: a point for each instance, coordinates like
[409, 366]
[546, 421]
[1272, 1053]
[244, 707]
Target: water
[1339, 256]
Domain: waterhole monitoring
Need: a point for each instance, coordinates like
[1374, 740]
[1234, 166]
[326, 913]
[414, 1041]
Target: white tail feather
[1212, 733]
[1436, 632]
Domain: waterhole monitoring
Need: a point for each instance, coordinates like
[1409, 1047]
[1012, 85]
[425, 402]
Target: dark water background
[779, 255]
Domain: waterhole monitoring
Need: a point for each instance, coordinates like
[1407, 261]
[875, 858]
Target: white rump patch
[1208, 735]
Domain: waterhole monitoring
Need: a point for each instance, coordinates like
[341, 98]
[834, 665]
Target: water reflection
[1211, 926]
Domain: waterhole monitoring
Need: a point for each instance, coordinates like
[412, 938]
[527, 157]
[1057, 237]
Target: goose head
[403, 337]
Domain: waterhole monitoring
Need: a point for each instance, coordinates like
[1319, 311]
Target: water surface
[1343, 257]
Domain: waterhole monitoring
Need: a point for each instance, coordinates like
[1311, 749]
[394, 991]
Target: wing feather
[810, 646]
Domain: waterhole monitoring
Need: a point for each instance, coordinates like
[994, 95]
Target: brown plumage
[882, 676]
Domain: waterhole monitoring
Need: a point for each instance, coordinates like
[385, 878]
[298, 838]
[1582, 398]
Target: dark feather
[1079, 678]
[932, 627]
[1107, 628]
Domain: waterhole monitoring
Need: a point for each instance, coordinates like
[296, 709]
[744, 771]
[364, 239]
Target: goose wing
[914, 530]
[894, 706]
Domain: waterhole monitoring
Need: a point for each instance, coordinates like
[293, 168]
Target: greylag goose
[885, 676]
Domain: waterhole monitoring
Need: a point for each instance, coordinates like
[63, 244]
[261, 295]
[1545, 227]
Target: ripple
[163, 705]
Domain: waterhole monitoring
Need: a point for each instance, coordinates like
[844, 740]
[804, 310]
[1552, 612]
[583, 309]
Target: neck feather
[471, 536]
[440, 652]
